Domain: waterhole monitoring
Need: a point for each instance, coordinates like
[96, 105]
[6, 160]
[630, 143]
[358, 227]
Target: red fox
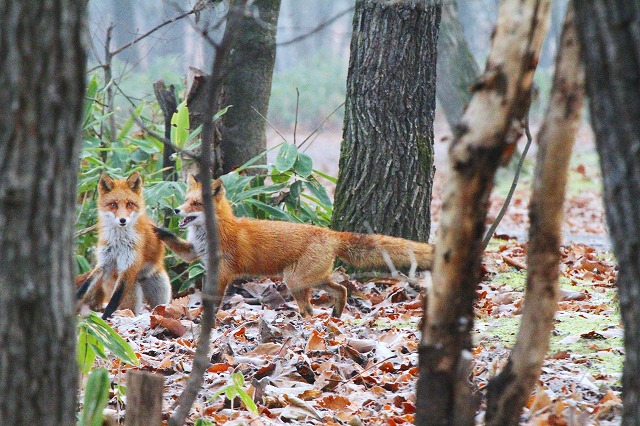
[130, 256]
[302, 254]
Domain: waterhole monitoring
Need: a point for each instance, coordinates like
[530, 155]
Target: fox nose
[177, 211]
[123, 221]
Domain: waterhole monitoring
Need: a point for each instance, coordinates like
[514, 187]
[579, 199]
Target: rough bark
[610, 37]
[386, 157]
[457, 69]
[508, 392]
[248, 86]
[144, 398]
[167, 100]
[444, 395]
[42, 64]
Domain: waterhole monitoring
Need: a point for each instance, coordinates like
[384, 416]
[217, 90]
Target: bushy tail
[369, 252]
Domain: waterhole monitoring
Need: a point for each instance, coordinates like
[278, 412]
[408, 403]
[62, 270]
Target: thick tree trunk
[508, 392]
[248, 84]
[444, 396]
[42, 64]
[610, 36]
[457, 69]
[386, 158]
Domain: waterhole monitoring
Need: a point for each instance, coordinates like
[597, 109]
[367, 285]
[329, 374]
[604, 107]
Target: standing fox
[130, 256]
[302, 254]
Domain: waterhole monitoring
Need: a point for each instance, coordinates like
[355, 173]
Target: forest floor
[362, 368]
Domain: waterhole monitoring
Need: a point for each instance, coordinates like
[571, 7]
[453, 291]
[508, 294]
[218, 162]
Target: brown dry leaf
[174, 326]
[219, 367]
[541, 401]
[334, 402]
[315, 343]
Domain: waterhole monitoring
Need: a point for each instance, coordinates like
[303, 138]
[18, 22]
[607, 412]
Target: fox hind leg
[156, 288]
[339, 293]
[302, 296]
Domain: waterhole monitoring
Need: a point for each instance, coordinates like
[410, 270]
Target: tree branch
[509, 390]
[211, 297]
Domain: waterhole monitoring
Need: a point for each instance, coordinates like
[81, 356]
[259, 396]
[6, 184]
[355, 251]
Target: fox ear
[105, 184]
[217, 188]
[135, 182]
[192, 182]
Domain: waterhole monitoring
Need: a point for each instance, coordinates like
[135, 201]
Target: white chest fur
[197, 236]
[119, 252]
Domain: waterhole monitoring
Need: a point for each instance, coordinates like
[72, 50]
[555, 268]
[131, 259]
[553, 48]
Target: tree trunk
[444, 394]
[508, 392]
[386, 157]
[248, 84]
[457, 69]
[42, 65]
[610, 38]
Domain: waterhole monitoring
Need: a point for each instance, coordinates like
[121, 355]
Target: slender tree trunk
[248, 85]
[444, 394]
[386, 158]
[610, 36]
[457, 69]
[508, 392]
[42, 64]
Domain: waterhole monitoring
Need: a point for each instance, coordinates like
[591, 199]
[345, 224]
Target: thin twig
[295, 123]
[85, 230]
[320, 27]
[197, 8]
[317, 129]
[503, 210]
[269, 123]
[211, 298]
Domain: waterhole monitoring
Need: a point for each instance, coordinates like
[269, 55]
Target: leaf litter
[362, 369]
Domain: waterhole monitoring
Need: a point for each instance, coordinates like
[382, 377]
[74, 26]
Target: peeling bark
[386, 157]
[479, 140]
[42, 76]
[610, 37]
[509, 391]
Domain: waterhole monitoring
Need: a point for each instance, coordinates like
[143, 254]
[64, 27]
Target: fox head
[120, 201]
[192, 210]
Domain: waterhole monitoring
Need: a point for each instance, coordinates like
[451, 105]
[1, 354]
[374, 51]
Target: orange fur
[130, 256]
[303, 254]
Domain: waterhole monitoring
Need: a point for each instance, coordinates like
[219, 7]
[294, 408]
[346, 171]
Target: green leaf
[238, 379]
[128, 125]
[110, 339]
[319, 191]
[326, 176]
[277, 177]
[180, 125]
[248, 401]
[203, 422]
[85, 353]
[83, 264]
[96, 397]
[92, 91]
[286, 157]
[256, 158]
[273, 212]
[222, 112]
[303, 165]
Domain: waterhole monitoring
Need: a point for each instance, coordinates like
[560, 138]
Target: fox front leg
[89, 283]
[125, 283]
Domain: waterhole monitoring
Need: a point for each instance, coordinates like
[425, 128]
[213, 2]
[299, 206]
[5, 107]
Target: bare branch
[507, 201]
[211, 297]
[320, 27]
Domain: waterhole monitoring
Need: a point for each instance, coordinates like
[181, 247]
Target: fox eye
[197, 203]
[113, 205]
[130, 205]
